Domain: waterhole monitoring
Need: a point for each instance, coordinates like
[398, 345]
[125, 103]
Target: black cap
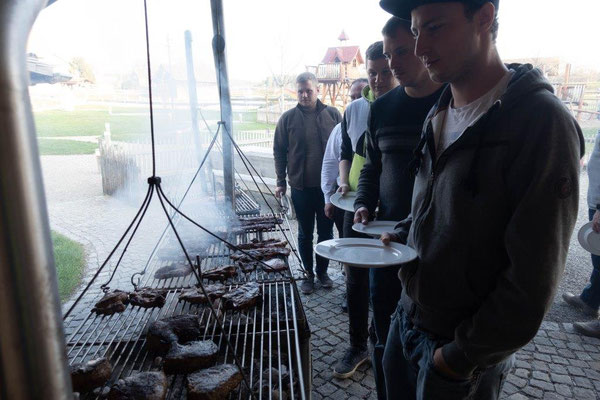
[402, 8]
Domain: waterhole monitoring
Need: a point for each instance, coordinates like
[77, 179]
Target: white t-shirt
[450, 124]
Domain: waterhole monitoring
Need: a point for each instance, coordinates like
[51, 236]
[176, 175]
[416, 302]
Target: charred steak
[164, 332]
[274, 265]
[113, 302]
[220, 273]
[148, 297]
[244, 296]
[173, 271]
[141, 386]
[256, 244]
[90, 375]
[183, 359]
[265, 253]
[213, 383]
[196, 296]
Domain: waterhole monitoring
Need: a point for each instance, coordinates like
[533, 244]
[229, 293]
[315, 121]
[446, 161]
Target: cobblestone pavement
[557, 364]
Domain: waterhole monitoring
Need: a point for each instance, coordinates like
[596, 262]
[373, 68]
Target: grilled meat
[213, 383]
[274, 265]
[264, 253]
[113, 302]
[180, 328]
[173, 271]
[196, 296]
[256, 244]
[267, 219]
[90, 375]
[183, 359]
[220, 273]
[248, 266]
[141, 386]
[244, 296]
[148, 297]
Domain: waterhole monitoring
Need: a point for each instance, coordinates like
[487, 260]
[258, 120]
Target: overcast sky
[276, 35]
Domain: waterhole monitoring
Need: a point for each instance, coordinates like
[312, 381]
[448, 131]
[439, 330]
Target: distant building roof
[343, 54]
[343, 36]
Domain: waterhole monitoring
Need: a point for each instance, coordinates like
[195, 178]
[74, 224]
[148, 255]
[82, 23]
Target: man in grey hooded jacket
[494, 205]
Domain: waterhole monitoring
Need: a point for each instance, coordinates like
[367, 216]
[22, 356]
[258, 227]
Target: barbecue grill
[270, 337]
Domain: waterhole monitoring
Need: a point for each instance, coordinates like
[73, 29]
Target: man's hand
[388, 237]
[361, 215]
[344, 188]
[329, 209]
[596, 222]
[280, 191]
[440, 366]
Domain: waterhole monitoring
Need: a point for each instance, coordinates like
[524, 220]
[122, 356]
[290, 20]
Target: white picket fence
[124, 166]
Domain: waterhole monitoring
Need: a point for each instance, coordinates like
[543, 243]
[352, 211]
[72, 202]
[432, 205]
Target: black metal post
[218, 44]
[33, 363]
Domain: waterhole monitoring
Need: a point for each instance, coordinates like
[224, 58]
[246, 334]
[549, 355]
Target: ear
[485, 17]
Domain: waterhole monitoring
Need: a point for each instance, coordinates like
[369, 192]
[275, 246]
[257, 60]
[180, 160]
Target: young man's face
[307, 94]
[380, 77]
[399, 50]
[447, 42]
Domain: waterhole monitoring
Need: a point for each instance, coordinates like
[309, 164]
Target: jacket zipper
[435, 163]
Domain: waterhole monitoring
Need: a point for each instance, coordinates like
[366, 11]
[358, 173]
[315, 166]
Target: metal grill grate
[266, 338]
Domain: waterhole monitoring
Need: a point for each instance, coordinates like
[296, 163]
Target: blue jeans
[591, 294]
[309, 204]
[409, 371]
[385, 288]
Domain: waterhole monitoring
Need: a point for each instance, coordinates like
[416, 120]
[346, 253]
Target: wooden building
[336, 72]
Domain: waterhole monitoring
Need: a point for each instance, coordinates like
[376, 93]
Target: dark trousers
[409, 371]
[309, 205]
[338, 220]
[357, 291]
[591, 294]
[385, 289]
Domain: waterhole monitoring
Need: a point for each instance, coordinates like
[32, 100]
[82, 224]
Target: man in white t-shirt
[493, 209]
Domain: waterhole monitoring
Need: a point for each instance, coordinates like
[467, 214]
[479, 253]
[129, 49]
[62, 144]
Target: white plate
[345, 202]
[375, 228]
[368, 253]
[589, 239]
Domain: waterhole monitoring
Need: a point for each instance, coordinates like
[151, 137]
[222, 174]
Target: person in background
[298, 147]
[354, 125]
[589, 299]
[330, 171]
[493, 209]
[394, 130]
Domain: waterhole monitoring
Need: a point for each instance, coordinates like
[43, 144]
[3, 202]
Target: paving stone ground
[557, 364]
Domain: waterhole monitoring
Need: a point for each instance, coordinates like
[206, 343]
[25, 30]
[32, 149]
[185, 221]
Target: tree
[83, 69]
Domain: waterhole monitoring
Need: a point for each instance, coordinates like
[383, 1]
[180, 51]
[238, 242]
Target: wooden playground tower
[336, 72]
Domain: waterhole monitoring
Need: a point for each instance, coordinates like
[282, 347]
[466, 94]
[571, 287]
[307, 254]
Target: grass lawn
[53, 147]
[70, 261]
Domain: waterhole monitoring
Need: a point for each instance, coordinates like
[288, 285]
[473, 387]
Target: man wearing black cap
[494, 206]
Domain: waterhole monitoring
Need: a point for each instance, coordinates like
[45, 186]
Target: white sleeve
[331, 159]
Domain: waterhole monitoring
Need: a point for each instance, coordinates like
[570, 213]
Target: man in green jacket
[494, 205]
[300, 139]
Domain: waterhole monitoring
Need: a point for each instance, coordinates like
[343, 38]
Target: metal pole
[191, 80]
[33, 362]
[218, 44]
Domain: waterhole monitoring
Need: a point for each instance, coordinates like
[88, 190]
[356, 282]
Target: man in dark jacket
[494, 205]
[300, 140]
[394, 130]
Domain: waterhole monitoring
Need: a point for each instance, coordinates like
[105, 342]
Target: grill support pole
[32, 350]
[218, 44]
